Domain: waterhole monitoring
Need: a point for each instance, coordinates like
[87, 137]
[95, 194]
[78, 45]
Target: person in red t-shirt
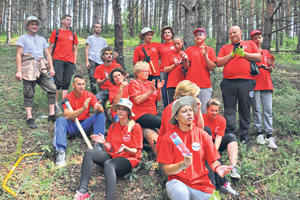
[120, 89]
[173, 67]
[184, 88]
[64, 55]
[144, 97]
[102, 74]
[123, 152]
[238, 84]
[263, 94]
[183, 153]
[152, 50]
[165, 50]
[201, 60]
[80, 101]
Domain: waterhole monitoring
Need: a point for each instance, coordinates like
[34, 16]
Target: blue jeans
[164, 92]
[177, 190]
[64, 127]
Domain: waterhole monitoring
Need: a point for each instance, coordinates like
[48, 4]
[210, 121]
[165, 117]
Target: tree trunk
[227, 16]
[137, 28]
[151, 14]
[1, 12]
[8, 33]
[221, 37]
[165, 13]
[130, 21]
[84, 15]
[96, 13]
[263, 16]
[288, 15]
[89, 10]
[251, 16]
[75, 15]
[118, 31]
[175, 16]
[189, 16]
[44, 19]
[234, 14]
[214, 8]
[146, 21]
[142, 15]
[200, 13]
[155, 15]
[80, 17]
[56, 20]
[207, 17]
[268, 24]
[64, 6]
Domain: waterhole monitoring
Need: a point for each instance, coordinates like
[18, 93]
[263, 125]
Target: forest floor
[266, 173]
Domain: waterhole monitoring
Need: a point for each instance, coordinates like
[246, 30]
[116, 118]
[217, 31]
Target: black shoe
[31, 123]
[98, 146]
[51, 118]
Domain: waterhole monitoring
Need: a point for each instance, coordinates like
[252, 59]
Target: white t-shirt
[96, 45]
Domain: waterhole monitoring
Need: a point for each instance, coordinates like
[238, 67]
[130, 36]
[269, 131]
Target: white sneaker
[260, 139]
[271, 142]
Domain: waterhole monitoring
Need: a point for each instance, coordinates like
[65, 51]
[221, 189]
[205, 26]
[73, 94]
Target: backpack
[56, 38]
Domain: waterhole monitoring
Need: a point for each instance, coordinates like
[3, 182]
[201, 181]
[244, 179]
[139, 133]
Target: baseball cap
[183, 101]
[255, 32]
[199, 29]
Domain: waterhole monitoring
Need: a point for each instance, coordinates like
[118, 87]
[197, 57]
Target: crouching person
[122, 153]
[183, 153]
[80, 101]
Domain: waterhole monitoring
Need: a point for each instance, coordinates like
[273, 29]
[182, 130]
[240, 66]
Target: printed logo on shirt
[172, 47]
[153, 49]
[251, 94]
[196, 146]
[126, 137]
[217, 129]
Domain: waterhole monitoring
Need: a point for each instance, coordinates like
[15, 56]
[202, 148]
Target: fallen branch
[266, 177]
[251, 192]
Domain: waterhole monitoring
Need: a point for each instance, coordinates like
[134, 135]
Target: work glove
[232, 54]
[147, 59]
[240, 51]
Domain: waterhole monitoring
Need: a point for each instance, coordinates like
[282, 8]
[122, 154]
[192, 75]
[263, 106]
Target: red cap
[199, 29]
[255, 32]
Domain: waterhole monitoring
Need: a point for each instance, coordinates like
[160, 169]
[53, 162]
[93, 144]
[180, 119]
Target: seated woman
[119, 89]
[183, 153]
[144, 97]
[123, 152]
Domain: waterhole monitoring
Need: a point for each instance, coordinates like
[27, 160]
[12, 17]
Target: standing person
[165, 50]
[80, 101]
[63, 47]
[173, 67]
[94, 44]
[152, 50]
[144, 97]
[183, 153]
[102, 74]
[31, 51]
[263, 94]
[123, 152]
[238, 84]
[201, 60]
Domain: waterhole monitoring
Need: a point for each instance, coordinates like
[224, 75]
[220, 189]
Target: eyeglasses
[108, 52]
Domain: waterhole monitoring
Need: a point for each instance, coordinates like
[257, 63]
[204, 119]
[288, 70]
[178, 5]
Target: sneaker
[51, 118]
[80, 196]
[271, 142]
[234, 173]
[260, 139]
[60, 158]
[226, 188]
[31, 123]
[57, 108]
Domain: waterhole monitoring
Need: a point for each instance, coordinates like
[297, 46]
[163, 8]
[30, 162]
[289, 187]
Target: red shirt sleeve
[134, 89]
[166, 149]
[137, 137]
[52, 37]
[97, 74]
[93, 100]
[137, 54]
[212, 54]
[76, 39]
[222, 52]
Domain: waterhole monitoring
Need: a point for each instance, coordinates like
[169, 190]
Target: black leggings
[150, 121]
[113, 167]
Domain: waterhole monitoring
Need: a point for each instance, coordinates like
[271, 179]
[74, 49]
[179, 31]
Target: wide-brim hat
[30, 19]
[126, 103]
[144, 31]
[199, 29]
[183, 101]
[255, 32]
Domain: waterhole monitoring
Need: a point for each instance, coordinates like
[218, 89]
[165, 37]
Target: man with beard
[94, 44]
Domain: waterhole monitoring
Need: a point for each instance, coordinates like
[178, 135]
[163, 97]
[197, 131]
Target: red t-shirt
[77, 103]
[165, 50]
[202, 148]
[238, 67]
[217, 125]
[263, 79]
[136, 88]
[118, 135]
[198, 72]
[64, 45]
[176, 74]
[113, 92]
[102, 72]
[152, 50]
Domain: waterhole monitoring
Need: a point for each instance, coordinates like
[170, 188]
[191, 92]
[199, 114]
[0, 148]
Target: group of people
[186, 137]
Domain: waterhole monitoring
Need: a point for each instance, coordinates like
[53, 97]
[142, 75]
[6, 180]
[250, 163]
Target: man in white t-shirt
[94, 44]
[32, 68]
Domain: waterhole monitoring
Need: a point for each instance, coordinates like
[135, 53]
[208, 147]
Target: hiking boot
[234, 173]
[60, 158]
[271, 142]
[57, 108]
[226, 188]
[31, 123]
[51, 118]
[260, 139]
[80, 196]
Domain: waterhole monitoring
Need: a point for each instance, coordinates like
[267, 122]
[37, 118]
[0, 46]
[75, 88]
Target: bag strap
[56, 38]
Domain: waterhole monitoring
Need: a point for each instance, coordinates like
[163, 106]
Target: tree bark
[165, 13]
[200, 11]
[234, 13]
[8, 33]
[175, 16]
[207, 17]
[251, 16]
[142, 15]
[146, 15]
[189, 16]
[130, 21]
[44, 19]
[1, 12]
[96, 13]
[118, 31]
[155, 15]
[64, 6]
[221, 37]
[137, 28]
[75, 15]
[84, 15]
[89, 10]
[214, 8]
